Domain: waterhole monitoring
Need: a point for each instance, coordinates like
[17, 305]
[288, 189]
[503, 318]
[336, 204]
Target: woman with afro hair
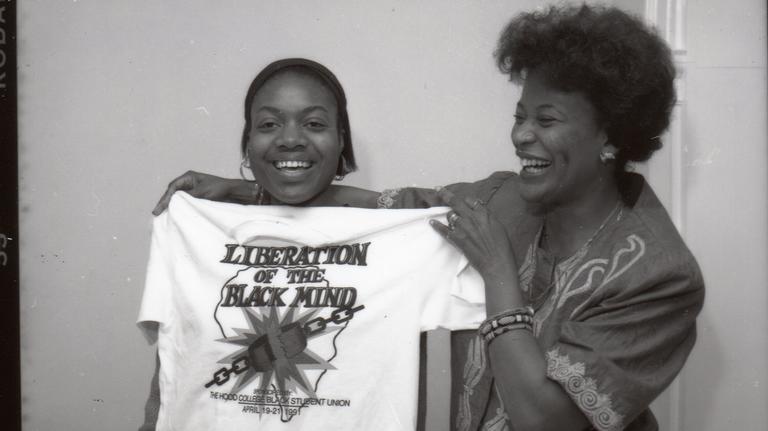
[591, 294]
[613, 291]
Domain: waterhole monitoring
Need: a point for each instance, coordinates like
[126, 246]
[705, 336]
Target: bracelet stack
[508, 320]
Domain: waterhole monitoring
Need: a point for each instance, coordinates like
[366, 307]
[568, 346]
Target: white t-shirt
[285, 318]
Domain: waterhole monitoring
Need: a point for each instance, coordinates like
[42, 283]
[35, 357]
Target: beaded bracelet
[504, 329]
[507, 317]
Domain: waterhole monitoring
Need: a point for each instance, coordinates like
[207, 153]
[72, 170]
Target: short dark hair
[347, 162]
[623, 68]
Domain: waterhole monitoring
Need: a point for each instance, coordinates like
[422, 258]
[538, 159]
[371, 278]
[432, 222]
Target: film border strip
[10, 412]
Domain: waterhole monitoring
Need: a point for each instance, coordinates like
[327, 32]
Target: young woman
[296, 140]
[591, 294]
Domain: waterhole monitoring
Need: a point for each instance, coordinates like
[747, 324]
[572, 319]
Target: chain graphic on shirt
[293, 339]
[339, 316]
[222, 375]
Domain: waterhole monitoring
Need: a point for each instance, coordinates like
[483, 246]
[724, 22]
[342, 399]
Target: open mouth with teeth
[534, 166]
[292, 165]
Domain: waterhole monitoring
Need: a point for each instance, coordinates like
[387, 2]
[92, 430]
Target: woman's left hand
[480, 236]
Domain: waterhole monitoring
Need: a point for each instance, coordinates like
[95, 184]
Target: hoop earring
[606, 156]
[343, 164]
[258, 191]
[243, 166]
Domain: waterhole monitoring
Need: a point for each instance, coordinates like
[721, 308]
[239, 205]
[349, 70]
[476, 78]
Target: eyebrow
[545, 106]
[551, 106]
[276, 111]
[270, 109]
[313, 108]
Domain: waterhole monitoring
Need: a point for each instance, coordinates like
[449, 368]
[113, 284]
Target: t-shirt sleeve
[458, 302]
[461, 304]
[615, 357]
[155, 305]
[466, 302]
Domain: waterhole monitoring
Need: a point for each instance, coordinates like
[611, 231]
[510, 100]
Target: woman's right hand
[206, 186]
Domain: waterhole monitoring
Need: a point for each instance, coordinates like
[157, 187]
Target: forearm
[241, 192]
[502, 290]
[532, 401]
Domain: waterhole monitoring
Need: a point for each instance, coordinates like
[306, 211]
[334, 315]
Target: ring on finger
[452, 219]
[477, 203]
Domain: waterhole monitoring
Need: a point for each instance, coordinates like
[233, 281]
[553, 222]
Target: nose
[291, 136]
[522, 134]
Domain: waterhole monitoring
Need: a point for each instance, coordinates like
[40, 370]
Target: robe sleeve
[620, 350]
[416, 197]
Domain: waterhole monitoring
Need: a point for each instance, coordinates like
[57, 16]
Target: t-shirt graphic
[286, 318]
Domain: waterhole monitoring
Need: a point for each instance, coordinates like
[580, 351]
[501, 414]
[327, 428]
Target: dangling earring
[343, 164]
[606, 156]
[258, 193]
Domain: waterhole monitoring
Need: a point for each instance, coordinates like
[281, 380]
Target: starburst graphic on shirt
[276, 349]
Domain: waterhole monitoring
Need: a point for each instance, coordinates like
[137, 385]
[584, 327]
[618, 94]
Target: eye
[545, 121]
[316, 125]
[519, 119]
[267, 125]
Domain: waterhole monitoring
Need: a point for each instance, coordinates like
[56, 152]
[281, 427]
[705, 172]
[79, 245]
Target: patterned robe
[616, 320]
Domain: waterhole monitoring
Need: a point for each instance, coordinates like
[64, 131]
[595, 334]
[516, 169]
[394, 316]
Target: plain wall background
[725, 383]
[117, 98]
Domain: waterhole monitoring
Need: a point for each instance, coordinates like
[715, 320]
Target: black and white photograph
[389, 215]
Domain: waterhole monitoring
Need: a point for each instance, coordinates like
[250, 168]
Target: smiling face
[294, 143]
[559, 141]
